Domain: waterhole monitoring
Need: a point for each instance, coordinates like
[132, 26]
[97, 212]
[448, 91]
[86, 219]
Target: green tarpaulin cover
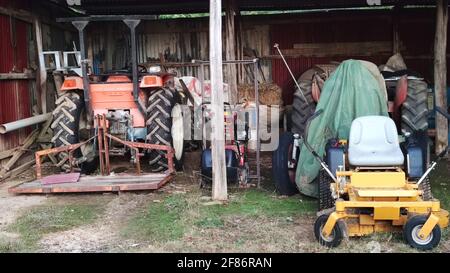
[351, 91]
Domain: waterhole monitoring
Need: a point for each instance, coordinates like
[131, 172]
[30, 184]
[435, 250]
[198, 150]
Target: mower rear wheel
[283, 176]
[69, 127]
[336, 236]
[164, 127]
[326, 200]
[415, 109]
[411, 233]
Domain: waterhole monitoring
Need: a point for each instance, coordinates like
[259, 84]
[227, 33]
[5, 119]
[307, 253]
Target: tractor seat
[373, 142]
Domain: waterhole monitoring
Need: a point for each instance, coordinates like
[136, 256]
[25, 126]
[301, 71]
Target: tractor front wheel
[164, 127]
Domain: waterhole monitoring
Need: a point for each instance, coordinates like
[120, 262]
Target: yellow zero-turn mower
[371, 192]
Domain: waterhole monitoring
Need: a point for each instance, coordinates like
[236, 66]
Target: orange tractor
[131, 107]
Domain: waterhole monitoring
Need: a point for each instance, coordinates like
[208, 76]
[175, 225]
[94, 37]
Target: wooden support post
[42, 72]
[230, 48]
[395, 34]
[440, 73]
[219, 176]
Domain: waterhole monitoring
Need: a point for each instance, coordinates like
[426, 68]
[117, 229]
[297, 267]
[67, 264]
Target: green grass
[440, 184]
[41, 220]
[255, 203]
[180, 213]
[160, 221]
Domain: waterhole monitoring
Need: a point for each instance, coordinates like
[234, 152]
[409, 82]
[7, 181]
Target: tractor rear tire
[302, 110]
[67, 116]
[280, 171]
[425, 187]
[415, 109]
[326, 200]
[161, 102]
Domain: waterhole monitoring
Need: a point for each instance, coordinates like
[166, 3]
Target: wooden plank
[440, 73]
[17, 13]
[42, 72]
[16, 171]
[94, 184]
[17, 154]
[341, 49]
[230, 48]
[17, 76]
[219, 176]
[7, 153]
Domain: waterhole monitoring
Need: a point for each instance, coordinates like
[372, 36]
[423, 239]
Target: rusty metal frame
[103, 150]
[67, 148]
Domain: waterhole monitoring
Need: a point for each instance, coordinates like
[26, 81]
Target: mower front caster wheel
[411, 233]
[336, 236]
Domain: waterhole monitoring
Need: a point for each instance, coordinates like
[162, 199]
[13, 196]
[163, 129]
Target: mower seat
[373, 142]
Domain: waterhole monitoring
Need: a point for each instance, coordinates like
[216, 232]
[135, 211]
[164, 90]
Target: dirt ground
[180, 217]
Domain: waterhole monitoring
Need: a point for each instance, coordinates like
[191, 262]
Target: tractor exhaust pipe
[21, 123]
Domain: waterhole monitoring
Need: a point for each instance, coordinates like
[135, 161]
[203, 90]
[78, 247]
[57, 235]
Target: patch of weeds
[254, 203]
[160, 221]
[10, 246]
[41, 220]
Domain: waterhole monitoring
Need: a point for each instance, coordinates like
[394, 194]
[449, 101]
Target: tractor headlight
[154, 69]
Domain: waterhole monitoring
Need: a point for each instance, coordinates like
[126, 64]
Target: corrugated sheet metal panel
[14, 95]
[416, 30]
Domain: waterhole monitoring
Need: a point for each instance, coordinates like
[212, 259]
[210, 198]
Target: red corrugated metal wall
[416, 30]
[15, 102]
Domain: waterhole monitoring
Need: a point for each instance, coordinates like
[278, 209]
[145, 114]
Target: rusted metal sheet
[15, 100]
[117, 183]
[416, 30]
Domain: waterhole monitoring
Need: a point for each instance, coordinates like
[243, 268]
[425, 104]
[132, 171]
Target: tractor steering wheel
[142, 68]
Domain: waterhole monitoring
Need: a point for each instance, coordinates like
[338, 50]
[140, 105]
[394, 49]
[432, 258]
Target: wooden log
[440, 73]
[219, 176]
[341, 49]
[17, 154]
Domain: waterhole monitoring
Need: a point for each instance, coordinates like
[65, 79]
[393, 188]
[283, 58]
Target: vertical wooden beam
[41, 76]
[230, 48]
[440, 73]
[219, 176]
[395, 33]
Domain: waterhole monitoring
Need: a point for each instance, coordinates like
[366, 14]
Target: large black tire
[412, 227]
[302, 110]
[66, 131]
[415, 109]
[337, 234]
[159, 125]
[284, 183]
[326, 200]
